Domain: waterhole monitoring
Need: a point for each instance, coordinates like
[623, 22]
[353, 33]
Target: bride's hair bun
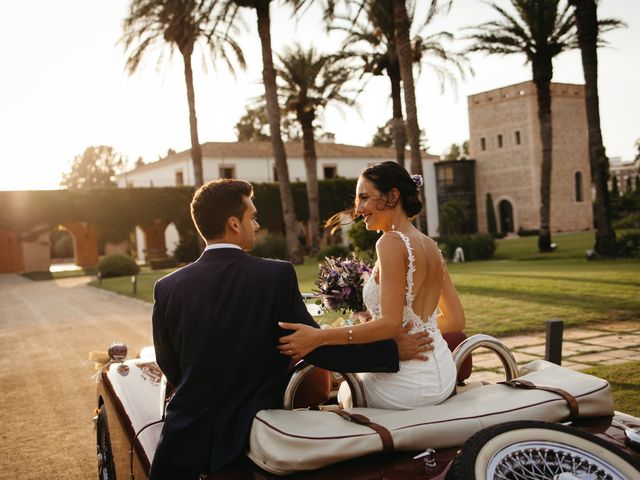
[388, 175]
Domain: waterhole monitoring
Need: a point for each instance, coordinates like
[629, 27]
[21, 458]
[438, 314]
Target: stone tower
[505, 142]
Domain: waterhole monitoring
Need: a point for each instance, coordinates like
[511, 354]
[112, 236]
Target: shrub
[475, 247]
[630, 221]
[523, 232]
[363, 240]
[333, 251]
[455, 216]
[161, 263]
[272, 245]
[188, 249]
[63, 248]
[117, 265]
[628, 244]
[491, 215]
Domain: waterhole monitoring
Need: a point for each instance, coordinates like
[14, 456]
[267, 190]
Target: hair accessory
[417, 179]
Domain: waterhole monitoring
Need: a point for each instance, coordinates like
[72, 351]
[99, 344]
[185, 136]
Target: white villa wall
[158, 176]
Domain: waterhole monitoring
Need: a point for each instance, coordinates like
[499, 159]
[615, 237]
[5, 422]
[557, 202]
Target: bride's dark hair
[385, 177]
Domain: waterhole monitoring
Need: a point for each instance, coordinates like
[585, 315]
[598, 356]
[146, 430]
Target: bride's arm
[393, 281]
[452, 318]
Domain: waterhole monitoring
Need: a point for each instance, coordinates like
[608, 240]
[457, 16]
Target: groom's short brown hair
[215, 202]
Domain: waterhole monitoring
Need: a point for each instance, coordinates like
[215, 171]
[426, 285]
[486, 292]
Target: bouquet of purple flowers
[340, 283]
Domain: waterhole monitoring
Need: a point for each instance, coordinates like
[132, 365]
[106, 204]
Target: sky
[63, 86]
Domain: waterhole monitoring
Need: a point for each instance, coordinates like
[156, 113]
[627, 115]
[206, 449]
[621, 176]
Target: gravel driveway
[47, 330]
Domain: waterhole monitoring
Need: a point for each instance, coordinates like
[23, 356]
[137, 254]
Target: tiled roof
[264, 150]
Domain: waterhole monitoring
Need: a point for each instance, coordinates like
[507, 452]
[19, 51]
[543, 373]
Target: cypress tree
[637, 183]
[628, 188]
[491, 216]
[614, 187]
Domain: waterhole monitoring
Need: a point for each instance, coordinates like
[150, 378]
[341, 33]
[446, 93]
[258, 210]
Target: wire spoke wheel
[106, 470]
[543, 460]
[531, 450]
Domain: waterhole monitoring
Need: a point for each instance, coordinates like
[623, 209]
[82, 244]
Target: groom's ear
[234, 224]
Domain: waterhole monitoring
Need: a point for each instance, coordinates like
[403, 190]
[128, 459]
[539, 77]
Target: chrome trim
[303, 369]
[118, 351]
[474, 342]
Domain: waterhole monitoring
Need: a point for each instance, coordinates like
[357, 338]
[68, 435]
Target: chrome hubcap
[549, 461]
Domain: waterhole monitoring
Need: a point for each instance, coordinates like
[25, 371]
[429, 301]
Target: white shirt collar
[214, 246]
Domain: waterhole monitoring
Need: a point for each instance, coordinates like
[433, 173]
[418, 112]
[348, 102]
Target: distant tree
[628, 187]
[453, 153]
[371, 40]
[254, 125]
[139, 162]
[308, 82]
[182, 25]
[638, 149]
[637, 183]
[96, 167]
[586, 18]
[492, 225]
[614, 186]
[454, 215]
[539, 30]
[263, 17]
[465, 149]
[384, 135]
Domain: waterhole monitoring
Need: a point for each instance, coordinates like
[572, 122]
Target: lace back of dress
[410, 271]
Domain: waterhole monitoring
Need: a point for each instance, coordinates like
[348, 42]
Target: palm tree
[309, 81]
[181, 24]
[540, 30]
[586, 18]
[372, 39]
[405, 59]
[273, 114]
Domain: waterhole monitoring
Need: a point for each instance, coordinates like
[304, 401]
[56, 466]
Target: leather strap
[385, 435]
[570, 399]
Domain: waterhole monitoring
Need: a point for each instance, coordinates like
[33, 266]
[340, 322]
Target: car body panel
[133, 393]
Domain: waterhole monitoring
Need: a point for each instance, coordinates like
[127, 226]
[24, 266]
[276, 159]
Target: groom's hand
[415, 346]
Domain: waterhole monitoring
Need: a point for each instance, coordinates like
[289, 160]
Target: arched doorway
[505, 210]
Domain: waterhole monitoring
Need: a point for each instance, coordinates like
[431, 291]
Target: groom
[215, 331]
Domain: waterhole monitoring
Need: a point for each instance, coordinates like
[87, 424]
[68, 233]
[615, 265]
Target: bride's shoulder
[390, 242]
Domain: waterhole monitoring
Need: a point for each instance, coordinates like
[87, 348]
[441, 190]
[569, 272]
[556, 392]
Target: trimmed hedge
[117, 265]
[363, 240]
[628, 244]
[475, 247]
[116, 211]
[272, 245]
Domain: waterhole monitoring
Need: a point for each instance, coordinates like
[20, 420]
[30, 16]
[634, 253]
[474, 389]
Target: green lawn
[625, 385]
[508, 295]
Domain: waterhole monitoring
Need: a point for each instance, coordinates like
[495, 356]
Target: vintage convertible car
[543, 422]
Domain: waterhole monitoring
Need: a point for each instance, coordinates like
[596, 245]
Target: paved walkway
[48, 328]
[581, 348]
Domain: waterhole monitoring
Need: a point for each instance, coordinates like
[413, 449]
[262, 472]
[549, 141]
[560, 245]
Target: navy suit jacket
[215, 331]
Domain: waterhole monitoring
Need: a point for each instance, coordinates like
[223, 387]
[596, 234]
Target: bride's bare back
[432, 286]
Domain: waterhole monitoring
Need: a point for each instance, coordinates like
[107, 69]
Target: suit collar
[218, 253]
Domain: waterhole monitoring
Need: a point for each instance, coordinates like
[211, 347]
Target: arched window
[578, 187]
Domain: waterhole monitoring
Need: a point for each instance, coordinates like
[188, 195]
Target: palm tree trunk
[273, 115]
[196, 151]
[587, 23]
[543, 82]
[310, 164]
[403, 47]
[397, 123]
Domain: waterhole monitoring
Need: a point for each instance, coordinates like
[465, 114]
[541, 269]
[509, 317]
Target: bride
[407, 287]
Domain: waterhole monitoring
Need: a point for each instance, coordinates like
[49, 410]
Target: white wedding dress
[418, 382]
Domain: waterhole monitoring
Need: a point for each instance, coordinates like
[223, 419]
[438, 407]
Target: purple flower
[417, 179]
